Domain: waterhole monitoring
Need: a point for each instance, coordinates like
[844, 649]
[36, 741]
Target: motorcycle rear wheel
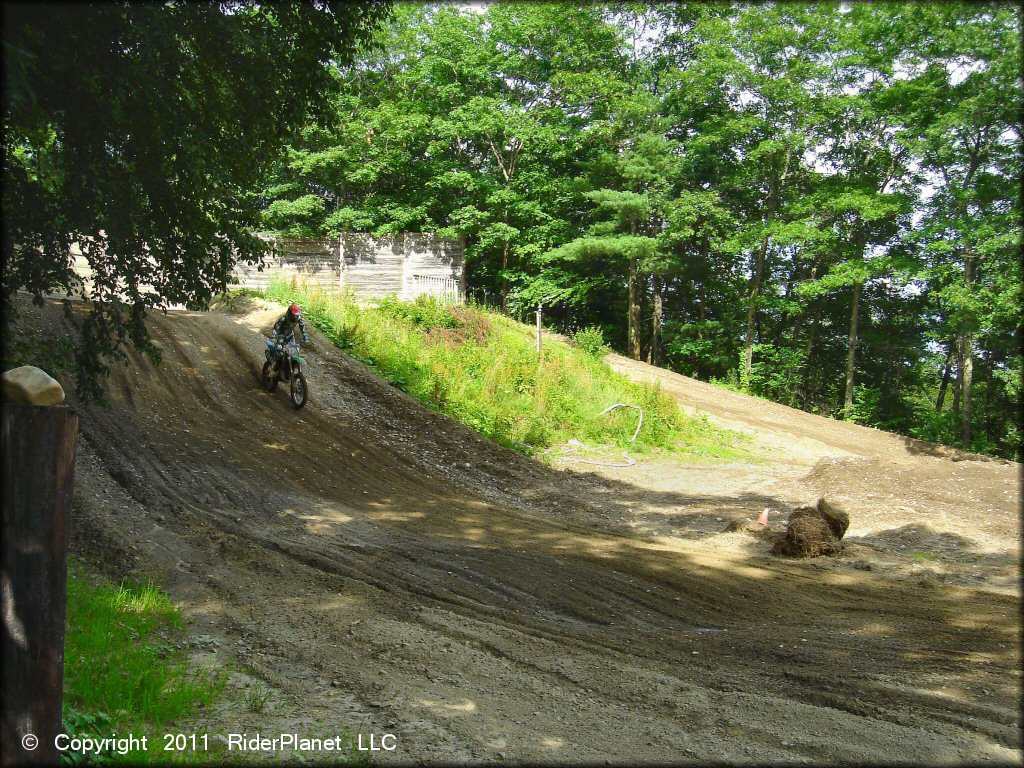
[269, 381]
[299, 392]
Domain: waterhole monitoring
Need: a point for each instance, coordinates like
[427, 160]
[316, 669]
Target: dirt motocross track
[380, 568]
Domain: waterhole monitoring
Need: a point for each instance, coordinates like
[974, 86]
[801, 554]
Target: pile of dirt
[814, 531]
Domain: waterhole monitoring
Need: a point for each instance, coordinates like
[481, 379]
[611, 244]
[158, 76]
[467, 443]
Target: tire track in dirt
[484, 605]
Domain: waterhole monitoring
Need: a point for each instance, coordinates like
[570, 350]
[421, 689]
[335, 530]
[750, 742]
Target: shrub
[590, 341]
[775, 373]
[426, 311]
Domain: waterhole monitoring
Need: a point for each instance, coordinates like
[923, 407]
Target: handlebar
[279, 344]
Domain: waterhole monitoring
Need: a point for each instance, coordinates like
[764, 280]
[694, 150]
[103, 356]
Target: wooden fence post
[540, 310]
[38, 455]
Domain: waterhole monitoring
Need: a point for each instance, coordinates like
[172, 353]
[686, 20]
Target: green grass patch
[482, 369]
[122, 673]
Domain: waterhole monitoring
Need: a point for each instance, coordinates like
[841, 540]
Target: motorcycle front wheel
[299, 391]
[269, 380]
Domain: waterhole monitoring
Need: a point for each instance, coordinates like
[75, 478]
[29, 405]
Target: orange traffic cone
[762, 519]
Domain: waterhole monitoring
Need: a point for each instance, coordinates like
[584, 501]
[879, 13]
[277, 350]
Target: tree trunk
[805, 396]
[897, 385]
[966, 375]
[654, 352]
[989, 416]
[958, 380]
[851, 352]
[945, 380]
[966, 371]
[774, 187]
[634, 308]
[783, 324]
[702, 316]
[801, 318]
[633, 312]
[755, 286]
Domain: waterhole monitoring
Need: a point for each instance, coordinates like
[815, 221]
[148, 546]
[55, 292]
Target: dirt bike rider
[284, 329]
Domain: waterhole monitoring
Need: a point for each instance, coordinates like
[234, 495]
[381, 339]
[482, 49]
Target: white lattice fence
[444, 289]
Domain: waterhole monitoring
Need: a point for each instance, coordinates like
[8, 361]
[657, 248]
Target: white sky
[476, 6]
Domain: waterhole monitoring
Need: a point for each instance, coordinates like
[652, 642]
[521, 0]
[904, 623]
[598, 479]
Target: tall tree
[698, 266]
[965, 62]
[141, 132]
[866, 146]
[761, 59]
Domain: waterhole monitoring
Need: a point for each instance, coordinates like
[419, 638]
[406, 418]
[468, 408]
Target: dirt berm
[377, 567]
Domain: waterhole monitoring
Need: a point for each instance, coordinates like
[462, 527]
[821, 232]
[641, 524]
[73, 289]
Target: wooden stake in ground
[39, 445]
[540, 310]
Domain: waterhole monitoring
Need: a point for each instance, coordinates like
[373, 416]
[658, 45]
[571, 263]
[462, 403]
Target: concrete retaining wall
[405, 265]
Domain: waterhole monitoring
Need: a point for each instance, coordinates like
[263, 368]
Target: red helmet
[295, 310]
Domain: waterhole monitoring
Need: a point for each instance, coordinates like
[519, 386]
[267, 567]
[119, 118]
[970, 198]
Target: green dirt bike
[284, 363]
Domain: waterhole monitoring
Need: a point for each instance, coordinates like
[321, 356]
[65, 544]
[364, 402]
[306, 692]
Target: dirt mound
[835, 516]
[814, 531]
[808, 534]
[379, 568]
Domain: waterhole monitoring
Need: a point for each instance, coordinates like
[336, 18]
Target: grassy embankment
[482, 369]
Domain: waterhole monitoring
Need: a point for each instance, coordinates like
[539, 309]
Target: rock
[29, 385]
[808, 534]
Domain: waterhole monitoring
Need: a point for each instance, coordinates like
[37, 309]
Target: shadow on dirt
[809, 631]
[923, 544]
[924, 448]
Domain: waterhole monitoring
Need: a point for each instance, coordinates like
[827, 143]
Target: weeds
[77, 724]
[145, 599]
[256, 698]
